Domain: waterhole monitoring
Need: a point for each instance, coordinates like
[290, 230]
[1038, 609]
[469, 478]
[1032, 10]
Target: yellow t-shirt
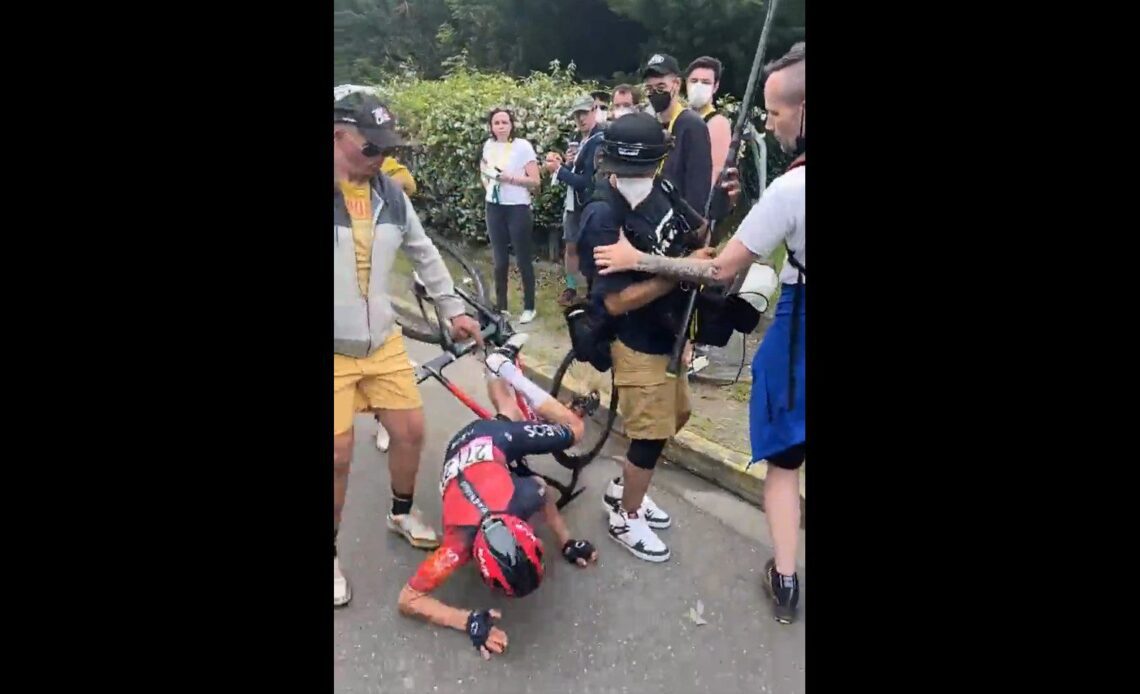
[358, 200]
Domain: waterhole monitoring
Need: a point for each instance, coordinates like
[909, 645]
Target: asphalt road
[622, 626]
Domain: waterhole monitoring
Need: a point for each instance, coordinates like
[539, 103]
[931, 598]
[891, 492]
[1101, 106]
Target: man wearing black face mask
[689, 165]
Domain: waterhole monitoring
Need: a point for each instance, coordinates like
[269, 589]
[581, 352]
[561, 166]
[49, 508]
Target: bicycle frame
[498, 329]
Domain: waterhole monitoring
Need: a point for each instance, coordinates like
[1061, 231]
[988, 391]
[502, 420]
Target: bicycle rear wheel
[415, 311]
[576, 378]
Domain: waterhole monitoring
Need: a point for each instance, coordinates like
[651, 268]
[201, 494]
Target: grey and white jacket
[361, 323]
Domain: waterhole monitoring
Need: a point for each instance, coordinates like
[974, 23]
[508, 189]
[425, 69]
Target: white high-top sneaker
[632, 532]
[654, 515]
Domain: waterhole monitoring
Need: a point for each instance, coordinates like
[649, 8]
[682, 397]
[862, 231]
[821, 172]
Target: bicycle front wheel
[578, 378]
[415, 311]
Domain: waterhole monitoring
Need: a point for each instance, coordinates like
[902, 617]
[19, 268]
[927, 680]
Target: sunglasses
[371, 150]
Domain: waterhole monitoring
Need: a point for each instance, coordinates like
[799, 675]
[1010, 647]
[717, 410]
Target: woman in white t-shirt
[509, 171]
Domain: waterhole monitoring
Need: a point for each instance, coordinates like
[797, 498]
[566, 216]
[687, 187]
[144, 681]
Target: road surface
[620, 627]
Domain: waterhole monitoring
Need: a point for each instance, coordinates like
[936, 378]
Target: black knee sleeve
[789, 458]
[644, 453]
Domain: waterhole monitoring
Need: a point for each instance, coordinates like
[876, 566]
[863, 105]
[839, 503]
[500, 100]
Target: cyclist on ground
[488, 496]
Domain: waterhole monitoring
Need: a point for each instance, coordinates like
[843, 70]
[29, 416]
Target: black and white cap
[361, 106]
[660, 65]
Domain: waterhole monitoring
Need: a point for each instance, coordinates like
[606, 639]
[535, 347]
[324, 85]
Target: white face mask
[622, 111]
[700, 94]
[635, 190]
[599, 116]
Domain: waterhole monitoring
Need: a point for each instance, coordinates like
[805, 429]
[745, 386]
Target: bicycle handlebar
[452, 351]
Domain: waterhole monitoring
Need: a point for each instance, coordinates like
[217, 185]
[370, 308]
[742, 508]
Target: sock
[511, 374]
[571, 281]
[400, 505]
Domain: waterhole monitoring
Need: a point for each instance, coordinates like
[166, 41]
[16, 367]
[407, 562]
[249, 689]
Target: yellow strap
[661, 164]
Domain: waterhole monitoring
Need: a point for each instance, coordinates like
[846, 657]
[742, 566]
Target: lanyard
[503, 158]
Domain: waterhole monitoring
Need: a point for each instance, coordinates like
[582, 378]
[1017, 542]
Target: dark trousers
[509, 226]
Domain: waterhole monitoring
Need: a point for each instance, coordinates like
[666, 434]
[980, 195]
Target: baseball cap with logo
[362, 108]
[660, 65]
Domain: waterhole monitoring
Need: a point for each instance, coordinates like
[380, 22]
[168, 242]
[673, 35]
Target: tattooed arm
[621, 256]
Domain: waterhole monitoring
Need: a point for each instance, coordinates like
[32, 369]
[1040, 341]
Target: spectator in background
[702, 84]
[393, 169]
[627, 99]
[689, 164]
[578, 176]
[509, 171]
[601, 106]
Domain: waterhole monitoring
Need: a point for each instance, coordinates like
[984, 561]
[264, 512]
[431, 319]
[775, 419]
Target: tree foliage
[607, 39]
[444, 63]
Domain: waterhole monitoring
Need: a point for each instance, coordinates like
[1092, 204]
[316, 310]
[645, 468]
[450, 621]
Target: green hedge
[446, 119]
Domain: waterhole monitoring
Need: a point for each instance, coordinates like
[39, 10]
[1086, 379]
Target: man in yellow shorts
[372, 220]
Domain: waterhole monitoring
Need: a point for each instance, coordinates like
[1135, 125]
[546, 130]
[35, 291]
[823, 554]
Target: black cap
[601, 95]
[370, 116]
[659, 65]
[633, 144]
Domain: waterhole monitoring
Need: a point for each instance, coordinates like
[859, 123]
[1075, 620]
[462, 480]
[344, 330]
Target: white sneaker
[527, 316]
[632, 532]
[413, 528]
[342, 592]
[382, 438]
[651, 512]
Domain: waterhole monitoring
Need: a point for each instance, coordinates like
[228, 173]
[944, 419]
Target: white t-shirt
[779, 216]
[512, 157]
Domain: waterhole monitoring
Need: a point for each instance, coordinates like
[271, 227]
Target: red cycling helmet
[509, 554]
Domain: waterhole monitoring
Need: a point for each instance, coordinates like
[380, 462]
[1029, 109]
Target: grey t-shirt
[779, 216]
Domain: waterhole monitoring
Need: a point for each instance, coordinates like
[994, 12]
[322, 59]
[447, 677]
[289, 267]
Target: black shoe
[784, 592]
